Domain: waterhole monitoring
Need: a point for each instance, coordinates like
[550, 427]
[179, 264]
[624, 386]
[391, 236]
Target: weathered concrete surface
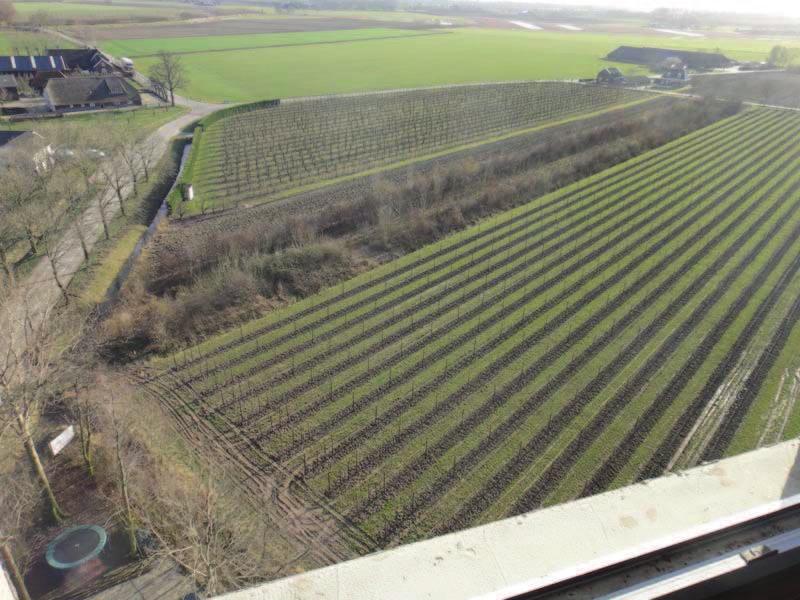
[6, 590]
[163, 581]
[522, 553]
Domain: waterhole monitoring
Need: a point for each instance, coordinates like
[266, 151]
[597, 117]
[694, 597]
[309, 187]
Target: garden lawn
[144, 119]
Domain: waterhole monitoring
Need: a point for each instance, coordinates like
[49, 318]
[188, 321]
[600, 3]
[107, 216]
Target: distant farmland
[464, 55]
[639, 320]
[256, 152]
[140, 48]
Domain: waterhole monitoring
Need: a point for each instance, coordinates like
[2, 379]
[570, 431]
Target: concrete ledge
[544, 547]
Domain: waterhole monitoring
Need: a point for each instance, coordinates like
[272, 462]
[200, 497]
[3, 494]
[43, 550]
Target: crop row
[555, 422]
[416, 268]
[260, 152]
[522, 266]
[478, 378]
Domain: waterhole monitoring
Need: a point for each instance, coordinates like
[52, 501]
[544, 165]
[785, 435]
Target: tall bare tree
[35, 338]
[128, 519]
[146, 156]
[7, 12]
[17, 503]
[170, 72]
[85, 414]
[22, 196]
[205, 529]
[114, 171]
[128, 151]
[9, 238]
[53, 242]
[87, 166]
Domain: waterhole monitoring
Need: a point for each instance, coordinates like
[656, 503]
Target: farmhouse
[656, 56]
[611, 75]
[26, 145]
[28, 66]
[8, 88]
[83, 93]
[673, 77]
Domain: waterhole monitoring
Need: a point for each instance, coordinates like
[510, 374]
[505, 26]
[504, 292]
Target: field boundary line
[321, 43]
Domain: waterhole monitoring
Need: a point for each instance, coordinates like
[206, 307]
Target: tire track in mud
[656, 465]
[613, 465]
[316, 533]
[733, 419]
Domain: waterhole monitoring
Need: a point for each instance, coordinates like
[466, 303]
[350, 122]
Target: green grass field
[11, 41]
[562, 348]
[76, 10]
[193, 45]
[462, 56]
[96, 11]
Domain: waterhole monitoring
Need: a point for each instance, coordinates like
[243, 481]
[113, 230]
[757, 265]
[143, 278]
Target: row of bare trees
[49, 183]
[56, 188]
[47, 364]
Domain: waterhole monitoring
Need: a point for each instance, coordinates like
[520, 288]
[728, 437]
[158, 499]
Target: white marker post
[58, 443]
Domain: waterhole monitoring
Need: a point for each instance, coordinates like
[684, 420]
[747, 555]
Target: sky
[774, 7]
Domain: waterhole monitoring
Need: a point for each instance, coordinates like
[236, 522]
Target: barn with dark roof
[83, 93]
[28, 66]
[90, 60]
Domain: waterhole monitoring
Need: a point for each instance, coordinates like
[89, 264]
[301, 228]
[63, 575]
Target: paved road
[35, 297]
